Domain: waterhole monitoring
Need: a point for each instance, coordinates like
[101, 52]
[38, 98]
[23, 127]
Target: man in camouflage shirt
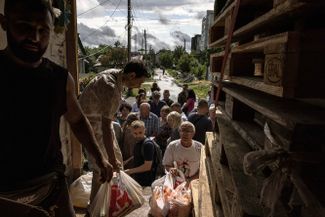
[100, 101]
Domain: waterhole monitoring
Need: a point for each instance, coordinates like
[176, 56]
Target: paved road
[167, 82]
[164, 82]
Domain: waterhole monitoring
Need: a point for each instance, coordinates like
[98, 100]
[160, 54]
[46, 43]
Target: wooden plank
[205, 202]
[211, 143]
[219, 20]
[252, 133]
[211, 174]
[237, 110]
[257, 84]
[215, 63]
[195, 197]
[287, 112]
[259, 44]
[248, 188]
[274, 15]
[72, 65]
[222, 191]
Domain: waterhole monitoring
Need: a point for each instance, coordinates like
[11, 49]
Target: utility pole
[145, 44]
[184, 44]
[129, 40]
[142, 44]
[129, 30]
[136, 42]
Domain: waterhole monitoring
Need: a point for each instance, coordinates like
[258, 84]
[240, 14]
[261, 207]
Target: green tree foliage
[166, 59]
[96, 52]
[114, 56]
[190, 64]
[184, 63]
[199, 71]
[178, 52]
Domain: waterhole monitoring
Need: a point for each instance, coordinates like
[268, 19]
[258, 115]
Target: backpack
[157, 161]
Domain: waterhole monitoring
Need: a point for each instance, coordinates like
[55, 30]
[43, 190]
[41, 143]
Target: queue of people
[115, 135]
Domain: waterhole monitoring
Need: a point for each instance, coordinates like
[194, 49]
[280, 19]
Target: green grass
[146, 85]
[200, 87]
[172, 73]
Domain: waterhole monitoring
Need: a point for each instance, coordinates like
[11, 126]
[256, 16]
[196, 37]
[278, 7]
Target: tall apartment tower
[206, 24]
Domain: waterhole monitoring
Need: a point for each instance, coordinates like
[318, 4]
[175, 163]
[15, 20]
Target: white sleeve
[168, 156]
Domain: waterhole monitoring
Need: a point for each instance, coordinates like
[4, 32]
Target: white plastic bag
[100, 205]
[162, 194]
[159, 205]
[172, 198]
[126, 195]
[117, 198]
[80, 190]
[180, 201]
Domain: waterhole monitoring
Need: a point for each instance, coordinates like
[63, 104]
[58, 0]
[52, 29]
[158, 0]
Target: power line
[104, 23]
[124, 34]
[100, 4]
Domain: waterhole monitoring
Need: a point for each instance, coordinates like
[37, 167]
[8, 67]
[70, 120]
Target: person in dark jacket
[201, 121]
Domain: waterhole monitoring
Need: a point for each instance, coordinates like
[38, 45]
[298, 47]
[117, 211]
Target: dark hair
[202, 103]
[176, 104]
[138, 98]
[130, 118]
[29, 5]
[142, 90]
[125, 105]
[154, 87]
[138, 67]
[166, 109]
[191, 94]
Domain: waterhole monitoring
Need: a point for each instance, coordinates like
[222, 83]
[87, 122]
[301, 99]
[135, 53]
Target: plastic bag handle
[180, 172]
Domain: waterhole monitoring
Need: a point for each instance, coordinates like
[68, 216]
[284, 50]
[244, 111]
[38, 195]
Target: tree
[178, 52]
[184, 63]
[96, 52]
[114, 56]
[117, 43]
[166, 59]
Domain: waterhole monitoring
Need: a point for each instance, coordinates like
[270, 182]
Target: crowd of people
[153, 118]
[115, 135]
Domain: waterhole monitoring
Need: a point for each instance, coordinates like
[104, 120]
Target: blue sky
[167, 22]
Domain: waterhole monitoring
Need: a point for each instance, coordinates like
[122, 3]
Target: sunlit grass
[200, 87]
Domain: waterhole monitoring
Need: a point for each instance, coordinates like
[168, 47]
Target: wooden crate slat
[258, 84]
[248, 187]
[288, 113]
[205, 202]
[276, 14]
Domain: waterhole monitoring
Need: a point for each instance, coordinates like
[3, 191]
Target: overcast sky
[167, 22]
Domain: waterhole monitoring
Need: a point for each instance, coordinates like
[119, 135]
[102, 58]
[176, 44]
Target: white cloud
[160, 18]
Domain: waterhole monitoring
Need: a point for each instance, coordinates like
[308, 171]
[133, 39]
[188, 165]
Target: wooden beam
[72, 63]
[205, 201]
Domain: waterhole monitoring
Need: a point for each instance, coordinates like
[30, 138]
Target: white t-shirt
[188, 159]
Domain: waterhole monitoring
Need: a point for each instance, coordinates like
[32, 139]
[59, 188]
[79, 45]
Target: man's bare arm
[140, 169]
